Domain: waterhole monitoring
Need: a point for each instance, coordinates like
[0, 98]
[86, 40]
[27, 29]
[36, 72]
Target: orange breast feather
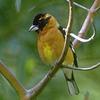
[50, 45]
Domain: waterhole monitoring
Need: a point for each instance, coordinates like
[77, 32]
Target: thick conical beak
[33, 28]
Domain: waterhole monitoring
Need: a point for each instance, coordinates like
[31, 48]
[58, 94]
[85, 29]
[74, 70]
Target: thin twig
[97, 9]
[68, 31]
[82, 68]
[78, 5]
[87, 21]
[12, 80]
[82, 39]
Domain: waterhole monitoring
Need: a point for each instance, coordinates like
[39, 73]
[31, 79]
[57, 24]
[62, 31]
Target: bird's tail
[72, 86]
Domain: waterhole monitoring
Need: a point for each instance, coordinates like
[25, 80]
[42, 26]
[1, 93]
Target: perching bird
[50, 44]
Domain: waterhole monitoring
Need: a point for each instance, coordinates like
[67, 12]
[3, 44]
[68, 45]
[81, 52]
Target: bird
[50, 42]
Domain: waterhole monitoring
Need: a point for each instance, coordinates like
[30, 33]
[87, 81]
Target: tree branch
[82, 39]
[67, 36]
[87, 21]
[82, 68]
[12, 80]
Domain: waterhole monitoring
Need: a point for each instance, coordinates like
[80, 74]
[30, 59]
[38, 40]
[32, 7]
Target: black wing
[74, 54]
[62, 31]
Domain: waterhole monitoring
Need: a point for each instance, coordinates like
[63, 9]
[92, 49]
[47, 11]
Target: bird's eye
[40, 19]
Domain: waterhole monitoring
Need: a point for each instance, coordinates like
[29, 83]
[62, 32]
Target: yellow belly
[50, 47]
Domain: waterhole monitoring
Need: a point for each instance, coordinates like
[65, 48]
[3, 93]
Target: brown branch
[36, 90]
[68, 31]
[87, 21]
[12, 80]
[82, 68]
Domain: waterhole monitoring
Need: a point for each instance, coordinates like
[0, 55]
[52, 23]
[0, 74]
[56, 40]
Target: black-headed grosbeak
[50, 44]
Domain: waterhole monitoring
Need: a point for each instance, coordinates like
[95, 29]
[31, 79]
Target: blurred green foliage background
[18, 49]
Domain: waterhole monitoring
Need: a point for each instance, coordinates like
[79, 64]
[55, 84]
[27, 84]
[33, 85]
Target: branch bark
[12, 80]
[83, 68]
[87, 21]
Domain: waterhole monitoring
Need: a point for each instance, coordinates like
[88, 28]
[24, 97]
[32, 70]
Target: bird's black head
[39, 22]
